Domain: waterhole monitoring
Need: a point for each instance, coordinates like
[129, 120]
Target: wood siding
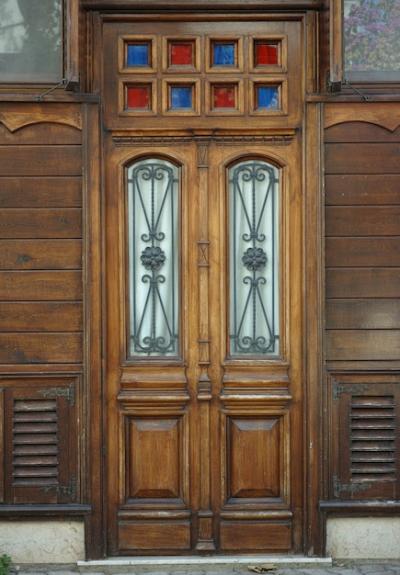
[41, 244]
[362, 229]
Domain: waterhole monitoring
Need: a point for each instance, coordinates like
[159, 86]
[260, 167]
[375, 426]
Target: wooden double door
[203, 259]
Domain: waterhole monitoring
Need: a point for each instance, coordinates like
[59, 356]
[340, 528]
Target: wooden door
[203, 220]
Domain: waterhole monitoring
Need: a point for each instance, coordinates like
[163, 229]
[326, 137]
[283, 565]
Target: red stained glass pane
[138, 97]
[181, 54]
[266, 54]
[224, 97]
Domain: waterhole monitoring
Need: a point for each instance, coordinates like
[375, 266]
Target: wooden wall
[362, 308]
[41, 301]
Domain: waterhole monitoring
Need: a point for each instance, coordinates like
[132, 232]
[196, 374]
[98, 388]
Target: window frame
[70, 53]
[338, 77]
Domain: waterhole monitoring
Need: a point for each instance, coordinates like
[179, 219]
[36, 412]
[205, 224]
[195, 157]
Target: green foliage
[5, 563]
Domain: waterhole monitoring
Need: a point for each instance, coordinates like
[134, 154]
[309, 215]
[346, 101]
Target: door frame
[312, 286]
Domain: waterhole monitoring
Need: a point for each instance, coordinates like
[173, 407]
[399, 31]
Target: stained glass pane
[181, 54]
[223, 54]
[138, 54]
[267, 97]
[254, 259]
[31, 40]
[153, 224]
[265, 54]
[372, 39]
[139, 97]
[181, 97]
[224, 96]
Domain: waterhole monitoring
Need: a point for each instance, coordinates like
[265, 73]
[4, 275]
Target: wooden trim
[360, 507]
[13, 511]
[383, 114]
[71, 42]
[95, 533]
[314, 310]
[202, 4]
[336, 42]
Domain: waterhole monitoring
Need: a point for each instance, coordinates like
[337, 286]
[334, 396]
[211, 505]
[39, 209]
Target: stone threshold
[210, 560]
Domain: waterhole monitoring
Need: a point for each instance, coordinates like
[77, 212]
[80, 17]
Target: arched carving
[383, 114]
[14, 121]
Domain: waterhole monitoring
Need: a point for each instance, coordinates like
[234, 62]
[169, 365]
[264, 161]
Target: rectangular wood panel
[41, 161]
[363, 314]
[154, 535]
[345, 345]
[40, 254]
[363, 282]
[362, 158]
[345, 189]
[43, 285]
[41, 223]
[48, 316]
[41, 192]
[154, 444]
[255, 454]
[362, 221]
[40, 348]
[245, 535]
[362, 252]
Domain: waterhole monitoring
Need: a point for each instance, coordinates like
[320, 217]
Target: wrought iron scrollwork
[153, 219]
[254, 274]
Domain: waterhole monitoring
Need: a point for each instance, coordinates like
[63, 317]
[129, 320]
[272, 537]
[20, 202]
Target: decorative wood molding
[202, 4]
[14, 121]
[218, 139]
[384, 114]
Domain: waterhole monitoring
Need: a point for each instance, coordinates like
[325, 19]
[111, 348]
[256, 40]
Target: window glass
[254, 255]
[30, 40]
[153, 230]
[372, 39]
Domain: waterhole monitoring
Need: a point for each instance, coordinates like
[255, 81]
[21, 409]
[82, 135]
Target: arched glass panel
[153, 225]
[254, 258]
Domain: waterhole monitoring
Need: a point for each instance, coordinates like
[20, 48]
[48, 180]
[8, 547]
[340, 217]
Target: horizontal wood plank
[40, 254]
[260, 536]
[41, 161]
[41, 192]
[154, 535]
[363, 282]
[23, 348]
[363, 314]
[360, 132]
[362, 221]
[40, 286]
[347, 345]
[362, 158]
[41, 316]
[362, 189]
[362, 252]
[41, 223]
[45, 133]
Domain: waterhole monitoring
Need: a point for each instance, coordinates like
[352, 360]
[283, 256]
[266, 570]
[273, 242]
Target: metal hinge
[339, 388]
[352, 488]
[64, 490]
[54, 392]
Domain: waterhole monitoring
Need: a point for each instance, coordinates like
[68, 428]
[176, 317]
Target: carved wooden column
[205, 541]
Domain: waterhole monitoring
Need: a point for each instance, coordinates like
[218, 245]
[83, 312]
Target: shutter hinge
[352, 488]
[55, 392]
[64, 490]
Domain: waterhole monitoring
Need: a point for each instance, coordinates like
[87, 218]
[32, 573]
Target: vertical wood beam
[205, 541]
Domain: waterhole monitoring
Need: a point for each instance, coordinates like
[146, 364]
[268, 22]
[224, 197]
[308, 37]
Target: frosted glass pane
[153, 226]
[372, 39]
[30, 40]
[254, 259]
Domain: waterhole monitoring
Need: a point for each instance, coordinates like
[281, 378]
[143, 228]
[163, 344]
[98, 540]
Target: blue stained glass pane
[138, 55]
[181, 97]
[268, 97]
[223, 54]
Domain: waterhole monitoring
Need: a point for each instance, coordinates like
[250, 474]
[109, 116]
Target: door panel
[204, 439]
